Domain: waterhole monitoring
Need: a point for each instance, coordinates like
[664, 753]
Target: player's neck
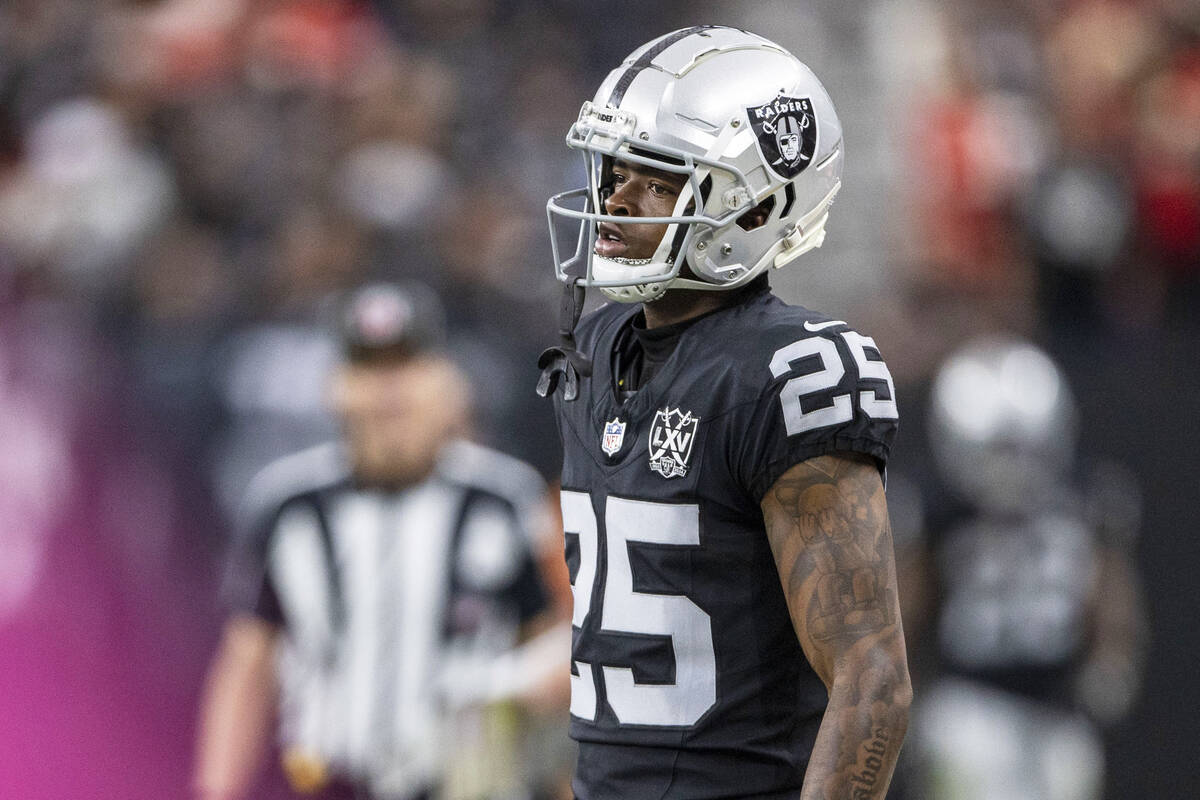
[679, 305]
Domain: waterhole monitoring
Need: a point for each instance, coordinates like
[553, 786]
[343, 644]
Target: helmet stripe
[619, 90]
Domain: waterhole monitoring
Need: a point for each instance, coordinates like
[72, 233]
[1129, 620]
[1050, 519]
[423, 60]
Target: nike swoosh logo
[814, 327]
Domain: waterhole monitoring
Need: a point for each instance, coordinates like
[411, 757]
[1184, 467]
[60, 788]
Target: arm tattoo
[828, 526]
[830, 511]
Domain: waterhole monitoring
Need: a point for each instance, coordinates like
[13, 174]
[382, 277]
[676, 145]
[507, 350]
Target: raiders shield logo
[786, 130]
[671, 438]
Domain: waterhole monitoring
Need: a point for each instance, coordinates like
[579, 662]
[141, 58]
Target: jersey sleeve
[496, 557]
[284, 485]
[246, 585]
[528, 593]
[825, 392]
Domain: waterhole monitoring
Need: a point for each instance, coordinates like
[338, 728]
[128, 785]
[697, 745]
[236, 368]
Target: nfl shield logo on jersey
[671, 439]
[614, 437]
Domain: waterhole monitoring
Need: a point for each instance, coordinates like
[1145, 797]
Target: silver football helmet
[1003, 424]
[744, 120]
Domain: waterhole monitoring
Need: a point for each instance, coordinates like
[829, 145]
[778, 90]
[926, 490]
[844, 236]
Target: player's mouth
[609, 241]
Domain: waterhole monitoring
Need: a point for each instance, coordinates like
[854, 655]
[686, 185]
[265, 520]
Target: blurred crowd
[1051, 154]
[186, 186]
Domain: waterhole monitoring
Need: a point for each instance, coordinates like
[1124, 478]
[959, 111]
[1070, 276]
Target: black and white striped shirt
[382, 591]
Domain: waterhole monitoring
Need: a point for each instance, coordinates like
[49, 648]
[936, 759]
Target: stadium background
[184, 185]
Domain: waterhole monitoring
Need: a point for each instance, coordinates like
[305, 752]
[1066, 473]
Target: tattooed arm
[828, 526]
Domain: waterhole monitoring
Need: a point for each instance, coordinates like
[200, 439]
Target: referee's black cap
[390, 321]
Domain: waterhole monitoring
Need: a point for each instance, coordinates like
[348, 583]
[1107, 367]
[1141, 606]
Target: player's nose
[620, 202]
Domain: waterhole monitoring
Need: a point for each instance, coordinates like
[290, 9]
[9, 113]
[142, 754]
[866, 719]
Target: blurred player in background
[380, 583]
[1036, 631]
[737, 631]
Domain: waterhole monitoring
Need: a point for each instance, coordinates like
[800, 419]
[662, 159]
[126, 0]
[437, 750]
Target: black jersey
[687, 677]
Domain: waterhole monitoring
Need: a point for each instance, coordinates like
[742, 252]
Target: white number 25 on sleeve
[828, 376]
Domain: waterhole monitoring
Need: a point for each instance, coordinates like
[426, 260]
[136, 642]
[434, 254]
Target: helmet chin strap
[562, 366]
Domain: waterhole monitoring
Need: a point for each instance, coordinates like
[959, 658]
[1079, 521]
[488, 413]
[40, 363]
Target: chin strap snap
[562, 366]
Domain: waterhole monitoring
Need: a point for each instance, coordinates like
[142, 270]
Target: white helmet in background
[1003, 424]
[745, 122]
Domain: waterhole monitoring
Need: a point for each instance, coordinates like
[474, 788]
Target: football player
[1038, 636]
[736, 626]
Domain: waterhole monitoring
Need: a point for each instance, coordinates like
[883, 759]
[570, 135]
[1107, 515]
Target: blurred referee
[368, 570]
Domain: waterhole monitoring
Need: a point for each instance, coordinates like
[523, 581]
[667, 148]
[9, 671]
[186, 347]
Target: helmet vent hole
[757, 216]
[789, 197]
